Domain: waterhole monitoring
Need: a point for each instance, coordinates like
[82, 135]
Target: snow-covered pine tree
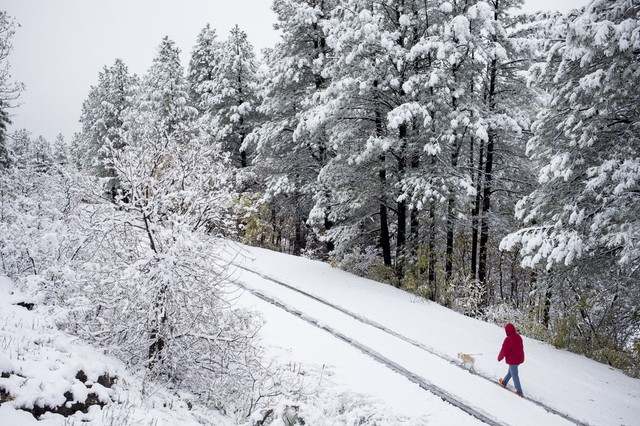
[103, 115]
[5, 157]
[204, 59]
[369, 41]
[163, 103]
[9, 90]
[467, 92]
[60, 151]
[586, 140]
[290, 165]
[20, 146]
[503, 115]
[232, 96]
[42, 153]
[438, 186]
[29, 152]
[581, 225]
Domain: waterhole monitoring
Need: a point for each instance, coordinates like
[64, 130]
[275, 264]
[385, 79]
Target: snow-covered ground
[40, 363]
[367, 352]
[424, 339]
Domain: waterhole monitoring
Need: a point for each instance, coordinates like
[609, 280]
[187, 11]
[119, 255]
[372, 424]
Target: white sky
[62, 45]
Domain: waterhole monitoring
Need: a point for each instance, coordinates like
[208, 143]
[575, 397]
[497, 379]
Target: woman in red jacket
[513, 352]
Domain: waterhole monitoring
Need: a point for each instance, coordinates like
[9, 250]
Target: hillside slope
[560, 387]
[49, 377]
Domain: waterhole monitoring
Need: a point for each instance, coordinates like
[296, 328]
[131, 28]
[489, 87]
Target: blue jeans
[513, 372]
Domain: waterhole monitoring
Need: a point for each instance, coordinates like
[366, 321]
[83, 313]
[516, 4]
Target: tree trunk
[476, 210]
[299, 241]
[401, 239]
[385, 238]
[484, 218]
[487, 184]
[157, 341]
[243, 157]
[414, 231]
[546, 308]
[328, 224]
[433, 282]
[451, 221]
[156, 349]
[414, 219]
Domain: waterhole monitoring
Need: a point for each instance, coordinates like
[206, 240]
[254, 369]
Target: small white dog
[467, 361]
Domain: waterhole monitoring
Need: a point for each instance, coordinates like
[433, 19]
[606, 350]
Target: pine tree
[205, 57]
[103, 115]
[9, 90]
[503, 118]
[581, 227]
[233, 98]
[586, 140]
[60, 151]
[163, 100]
[290, 161]
[5, 158]
[378, 109]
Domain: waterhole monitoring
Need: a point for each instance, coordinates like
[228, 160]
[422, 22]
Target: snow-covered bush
[469, 297]
[37, 241]
[598, 323]
[140, 276]
[255, 222]
[364, 263]
[503, 313]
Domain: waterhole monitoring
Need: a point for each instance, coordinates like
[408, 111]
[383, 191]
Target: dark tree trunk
[300, 238]
[475, 213]
[487, 188]
[328, 224]
[414, 231]
[433, 281]
[157, 341]
[156, 349]
[243, 159]
[414, 219]
[546, 308]
[385, 238]
[451, 221]
[484, 217]
[401, 238]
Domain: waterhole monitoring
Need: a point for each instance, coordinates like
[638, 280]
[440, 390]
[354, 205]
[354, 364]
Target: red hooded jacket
[512, 348]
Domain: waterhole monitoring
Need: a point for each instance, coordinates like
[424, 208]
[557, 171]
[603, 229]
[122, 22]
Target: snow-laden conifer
[163, 101]
[204, 59]
[231, 95]
[586, 140]
[580, 226]
[103, 114]
[290, 161]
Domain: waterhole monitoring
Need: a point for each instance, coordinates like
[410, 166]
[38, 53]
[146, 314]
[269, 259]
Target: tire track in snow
[424, 384]
[381, 358]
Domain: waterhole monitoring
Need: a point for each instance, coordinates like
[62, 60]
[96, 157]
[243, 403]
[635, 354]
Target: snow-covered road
[419, 341]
